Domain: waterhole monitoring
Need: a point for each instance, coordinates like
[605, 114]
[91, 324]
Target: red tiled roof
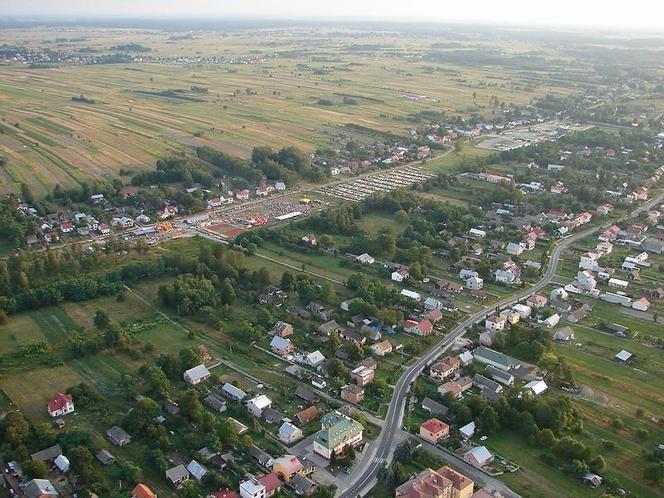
[434, 425]
[59, 401]
[271, 482]
[142, 491]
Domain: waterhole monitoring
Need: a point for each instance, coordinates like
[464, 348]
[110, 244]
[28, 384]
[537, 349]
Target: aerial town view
[331, 249]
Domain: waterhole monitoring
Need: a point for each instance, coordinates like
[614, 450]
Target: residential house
[60, 404]
[318, 310]
[286, 467]
[281, 346]
[501, 376]
[105, 457]
[445, 368]
[272, 416]
[433, 316]
[474, 283]
[434, 407]
[382, 348]
[431, 303]
[215, 402]
[487, 337]
[467, 431]
[422, 328]
[304, 486]
[306, 395]
[523, 310]
[142, 491]
[624, 356]
[536, 301]
[257, 404]
[197, 374]
[251, 488]
[271, 483]
[365, 259]
[641, 304]
[535, 388]
[352, 393]
[495, 323]
[337, 433]
[196, 470]
[177, 475]
[282, 329]
[242, 195]
[39, 488]
[487, 385]
[330, 327]
[307, 415]
[400, 275]
[478, 456]
[289, 433]
[118, 436]
[434, 430]
[442, 483]
[362, 375]
[550, 321]
[494, 358]
[508, 277]
[411, 295]
[233, 392]
[515, 248]
[48, 454]
[565, 334]
[314, 359]
[310, 239]
[352, 336]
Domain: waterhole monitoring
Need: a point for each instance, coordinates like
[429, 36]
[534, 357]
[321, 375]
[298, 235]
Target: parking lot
[359, 189]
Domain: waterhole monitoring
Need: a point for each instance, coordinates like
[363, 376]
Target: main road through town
[380, 452]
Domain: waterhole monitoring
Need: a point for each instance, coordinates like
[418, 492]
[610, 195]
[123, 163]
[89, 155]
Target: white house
[431, 303]
[478, 456]
[551, 321]
[467, 431]
[641, 304]
[535, 387]
[289, 433]
[559, 294]
[411, 294]
[477, 233]
[475, 283]
[495, 323]
[60, 404]
[618, 283]
[365, 259]
[252, 489]
[257, 404]
[515, 248]
[523, 310]
[197, 374]
[465, 274]
[314, 359]
[505, 277]
[233, 392]
[62, 463]
[400, 275]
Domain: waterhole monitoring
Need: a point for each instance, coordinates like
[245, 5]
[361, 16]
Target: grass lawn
[31, 390]
[535, 479]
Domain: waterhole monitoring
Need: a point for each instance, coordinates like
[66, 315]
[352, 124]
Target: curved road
[380, 452]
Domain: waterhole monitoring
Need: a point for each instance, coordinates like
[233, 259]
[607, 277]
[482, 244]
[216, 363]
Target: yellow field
[49, 139]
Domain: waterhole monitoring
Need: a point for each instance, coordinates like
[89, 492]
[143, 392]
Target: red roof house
[60, 404]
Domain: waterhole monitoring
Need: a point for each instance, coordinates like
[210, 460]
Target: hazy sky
[602, 13]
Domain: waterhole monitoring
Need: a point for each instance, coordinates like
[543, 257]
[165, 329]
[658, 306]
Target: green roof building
[337, 433]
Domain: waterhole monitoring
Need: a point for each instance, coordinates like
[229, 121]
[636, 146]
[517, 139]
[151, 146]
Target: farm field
[141, 111]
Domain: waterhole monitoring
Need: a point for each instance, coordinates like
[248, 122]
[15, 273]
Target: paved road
[380, 454]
